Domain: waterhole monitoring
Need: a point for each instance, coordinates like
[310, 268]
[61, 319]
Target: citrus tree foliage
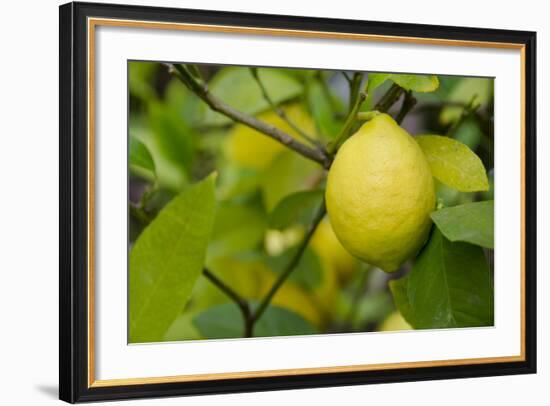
[229, 235]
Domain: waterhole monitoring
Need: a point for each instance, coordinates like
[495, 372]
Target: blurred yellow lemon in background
[252, 149]
[331, 251]
[252, 279]
[394, 322]
[380, 194]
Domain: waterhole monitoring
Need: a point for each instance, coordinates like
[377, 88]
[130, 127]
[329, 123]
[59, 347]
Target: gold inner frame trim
[94, 22]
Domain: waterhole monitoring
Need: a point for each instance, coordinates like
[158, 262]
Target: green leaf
[375, 80]
[288, 173]
[296, 208]
[167, 259]
[398, 288]
[226, 321]
[322, 110]
[141, 161]
[182, 329]
[449, 286]
[416, 83]
[237, 87]
[453, 163]
[238, 228]
[471, 222]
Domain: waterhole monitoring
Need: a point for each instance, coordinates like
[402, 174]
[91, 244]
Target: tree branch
[201, 90]
[279, 111]
[238, 299]
[408, 104]
[354, 87]
[389, 99]
[292, 264]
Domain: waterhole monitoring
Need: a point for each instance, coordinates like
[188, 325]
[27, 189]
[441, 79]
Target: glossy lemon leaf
[453, 163]
[449, 286]
[415, 83]
[471, 222]
[166, 261]
[375, 80]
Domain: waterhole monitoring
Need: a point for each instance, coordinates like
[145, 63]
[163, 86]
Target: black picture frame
[73, 283]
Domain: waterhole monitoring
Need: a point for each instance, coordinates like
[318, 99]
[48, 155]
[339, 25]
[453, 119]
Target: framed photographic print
[257, 202]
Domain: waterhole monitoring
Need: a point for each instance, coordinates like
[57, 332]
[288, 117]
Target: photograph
[256, 202]
[269, 201]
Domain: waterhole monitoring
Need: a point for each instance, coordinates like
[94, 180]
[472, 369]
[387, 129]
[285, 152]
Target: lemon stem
[389, 99]
[367, 115]
[355, 85]
[346, 128]
[408, 104]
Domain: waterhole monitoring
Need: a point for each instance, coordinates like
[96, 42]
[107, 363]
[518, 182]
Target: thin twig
[279, 111]
[201, 90]
[468, 110]
[139, 213]
[292, 263]
[344, 131]
[346, 76]
[327, 93]
[233, 295]
[194, 70]
[354, 87]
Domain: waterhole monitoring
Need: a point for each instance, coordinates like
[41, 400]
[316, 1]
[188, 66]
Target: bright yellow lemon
[380, 194]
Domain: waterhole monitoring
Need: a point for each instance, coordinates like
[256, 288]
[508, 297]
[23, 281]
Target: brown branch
[279, 111]
[292, 263]
[201, 90]
[233, 295]
[389, 99]
[408, 104]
